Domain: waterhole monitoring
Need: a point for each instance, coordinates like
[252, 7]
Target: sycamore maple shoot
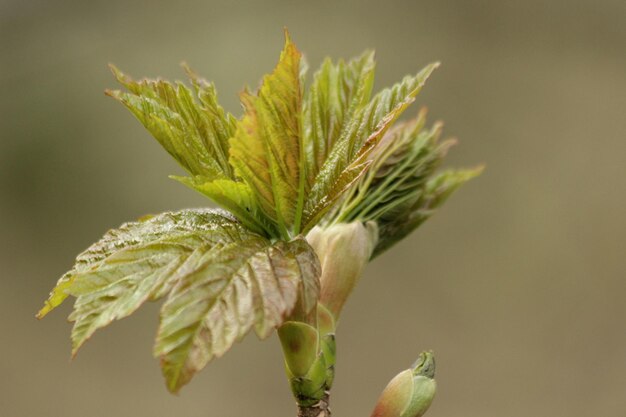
[313, 183]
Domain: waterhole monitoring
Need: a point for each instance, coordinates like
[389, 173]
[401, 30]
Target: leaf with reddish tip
[266, 150]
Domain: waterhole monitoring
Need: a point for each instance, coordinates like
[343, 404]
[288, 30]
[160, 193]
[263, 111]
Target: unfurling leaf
[397, 225]
[220, 280]
[398, 191]
[358, 139]
[337, 92]
[437, 190]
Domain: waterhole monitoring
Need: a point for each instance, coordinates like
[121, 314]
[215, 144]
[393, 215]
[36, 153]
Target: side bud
[410, 393]
[305, 362]
[343, 250]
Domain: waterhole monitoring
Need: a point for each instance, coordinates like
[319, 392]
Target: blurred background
[518, 283]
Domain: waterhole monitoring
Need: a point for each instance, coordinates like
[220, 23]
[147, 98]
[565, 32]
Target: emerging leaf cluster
[282, 166]
[297, 158]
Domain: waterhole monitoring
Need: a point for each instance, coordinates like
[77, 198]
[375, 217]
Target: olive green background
[518, 284]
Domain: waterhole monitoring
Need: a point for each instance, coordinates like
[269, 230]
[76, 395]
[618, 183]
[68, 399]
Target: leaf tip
[117, 73]
[179, 178]
[287, 35]
[426, 72]
[42, 313]
[173, 382]
[75, 349]
[476, 171]
[191, 74]
[290, 47]
[172, 387]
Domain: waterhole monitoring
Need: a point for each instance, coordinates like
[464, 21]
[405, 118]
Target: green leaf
[192, 127]
[226, 291]
[359, 138]
[57, 295]
[133, 235]
[120, 285]
[338, 90]
[252, 281]
[266, 150]
[128, 255]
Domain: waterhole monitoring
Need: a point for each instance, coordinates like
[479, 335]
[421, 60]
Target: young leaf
[348, 178]
[359, 138]
[401, 165]
[130, 236]
[401, 190]
[223, 293]
[259, 283]
[195, 133]
[266, 149]
[396, 226]
[338, 90]
[138, 248]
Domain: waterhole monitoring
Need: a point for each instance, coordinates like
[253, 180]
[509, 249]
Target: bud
[343, 250]
[305, 361]
[309, 354]
[300, 347]
[411, 392]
